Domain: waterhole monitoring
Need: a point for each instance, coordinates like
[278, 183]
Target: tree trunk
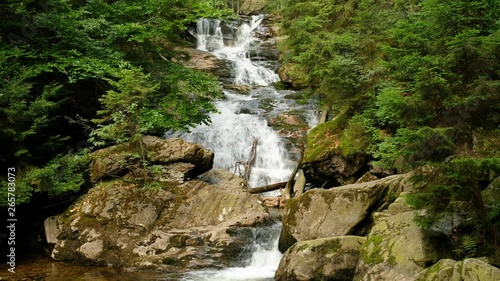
[271, 187]
[251, 160]
[287, 193]
[300, 183]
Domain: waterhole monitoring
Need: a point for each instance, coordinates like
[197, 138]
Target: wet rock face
[338, 211]
[167, 223]
[332, 259]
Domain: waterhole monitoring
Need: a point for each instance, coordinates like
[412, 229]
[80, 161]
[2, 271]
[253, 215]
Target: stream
[243, 118]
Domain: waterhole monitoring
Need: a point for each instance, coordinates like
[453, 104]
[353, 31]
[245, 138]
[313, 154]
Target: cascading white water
[261, 267]
[210, 38]
[231, 133]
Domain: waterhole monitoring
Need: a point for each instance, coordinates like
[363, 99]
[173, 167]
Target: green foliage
[410, 149]
[120, 118]
[62, 175]
[468, 247]
[104, 60]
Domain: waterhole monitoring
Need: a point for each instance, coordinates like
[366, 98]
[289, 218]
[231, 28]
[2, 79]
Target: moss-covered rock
[338, 211]
[166, 221]
[397, 249]
[491, 195]
[331, 259]
[290, 74]
[252, 7]
[324, 162]
[466, 270]
[184, 159]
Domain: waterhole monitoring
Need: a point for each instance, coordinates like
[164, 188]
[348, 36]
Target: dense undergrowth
[421, 84]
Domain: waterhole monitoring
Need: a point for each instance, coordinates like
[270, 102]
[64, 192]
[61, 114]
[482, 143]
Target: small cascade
[210, 38]
[261, 267]
[230, 136]
[209, 35]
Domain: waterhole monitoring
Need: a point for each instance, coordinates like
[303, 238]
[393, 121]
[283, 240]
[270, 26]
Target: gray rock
[466, 270]
[181, 160]
[52, 229]
[338, 211]
[331, 259]
[91, 250]
[491, 195]
[171, 227]
[397, 249]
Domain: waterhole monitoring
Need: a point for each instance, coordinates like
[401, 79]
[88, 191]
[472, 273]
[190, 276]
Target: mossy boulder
[292, 75]
[252, 7]
[466, 270]
[324, 163]
[168, 227]
[181, 160]
[339, 211]
[163, 222]
[205, 61]
[397, 249]
[332, 259]
[491, 195]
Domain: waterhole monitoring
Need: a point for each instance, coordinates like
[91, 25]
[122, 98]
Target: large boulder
[324, 162]
[180, 159]
[161, 226]
[339, 211]
[205, 61]
[252, 7]
[466, 270]
[491, 195]
[397, 249]
[152, 215]
[331, 259]
[291, 74]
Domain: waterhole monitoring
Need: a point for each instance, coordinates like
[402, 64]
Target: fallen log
[271, 187]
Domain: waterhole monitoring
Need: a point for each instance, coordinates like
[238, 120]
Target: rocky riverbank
[173, 223]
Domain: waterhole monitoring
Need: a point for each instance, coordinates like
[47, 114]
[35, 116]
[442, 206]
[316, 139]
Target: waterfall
[261, 267]
[210, 38]
[241, 119]
[232, 131]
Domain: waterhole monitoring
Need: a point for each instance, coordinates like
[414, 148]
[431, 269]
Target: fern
[469, 245]
[494, 214]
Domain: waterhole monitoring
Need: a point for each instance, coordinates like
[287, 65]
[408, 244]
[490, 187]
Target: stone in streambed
[331, 259]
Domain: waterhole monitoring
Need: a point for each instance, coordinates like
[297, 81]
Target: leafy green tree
[70, 58]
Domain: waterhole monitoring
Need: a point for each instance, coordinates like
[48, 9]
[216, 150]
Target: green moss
[302, 247]
[88, 221]
[328, 247]
[375, 254]
[324, 139]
